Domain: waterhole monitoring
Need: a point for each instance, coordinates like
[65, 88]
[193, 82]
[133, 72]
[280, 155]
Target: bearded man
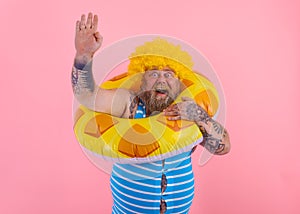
[165, 186]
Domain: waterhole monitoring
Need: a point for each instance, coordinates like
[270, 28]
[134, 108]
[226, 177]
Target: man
[165, 186]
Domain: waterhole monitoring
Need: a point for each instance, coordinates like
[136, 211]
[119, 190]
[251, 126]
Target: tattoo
[133, 106]
[195, 113]
[211, 144]
[220, 148]
[82, 80]
[218, 128]
[204, 132]
[213, 140]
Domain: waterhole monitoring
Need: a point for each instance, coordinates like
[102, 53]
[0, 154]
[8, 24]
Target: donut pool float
[122, 140]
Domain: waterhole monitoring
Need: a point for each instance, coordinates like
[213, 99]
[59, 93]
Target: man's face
[159, 88]
[162, 82]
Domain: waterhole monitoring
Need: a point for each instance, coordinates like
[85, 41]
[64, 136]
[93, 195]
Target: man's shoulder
[127, 99]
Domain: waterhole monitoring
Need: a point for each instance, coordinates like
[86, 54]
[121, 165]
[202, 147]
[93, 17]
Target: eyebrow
[167, 69]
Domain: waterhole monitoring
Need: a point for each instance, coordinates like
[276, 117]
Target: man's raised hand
[87, 39]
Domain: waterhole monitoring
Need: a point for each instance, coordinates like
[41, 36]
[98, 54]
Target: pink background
[253, 46]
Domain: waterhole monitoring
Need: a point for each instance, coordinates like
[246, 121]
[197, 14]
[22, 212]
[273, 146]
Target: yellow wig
[159, 54]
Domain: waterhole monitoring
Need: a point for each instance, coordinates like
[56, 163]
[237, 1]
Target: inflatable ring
[123, 140]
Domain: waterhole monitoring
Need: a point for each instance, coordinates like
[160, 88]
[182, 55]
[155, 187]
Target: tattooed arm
[215, 137]
[87, 41]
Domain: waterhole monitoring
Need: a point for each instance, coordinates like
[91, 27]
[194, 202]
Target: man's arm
[215, 137]
[87, 41]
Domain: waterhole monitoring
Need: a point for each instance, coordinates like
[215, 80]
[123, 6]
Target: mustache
[162, 87]
[154, 105]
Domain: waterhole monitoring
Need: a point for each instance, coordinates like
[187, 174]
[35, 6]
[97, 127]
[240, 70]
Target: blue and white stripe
[136, 188]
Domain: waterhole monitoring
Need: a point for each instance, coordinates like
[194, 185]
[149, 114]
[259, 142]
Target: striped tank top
[165, 186]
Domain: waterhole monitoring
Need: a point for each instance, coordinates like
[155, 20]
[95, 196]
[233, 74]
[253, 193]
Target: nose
[161, 79]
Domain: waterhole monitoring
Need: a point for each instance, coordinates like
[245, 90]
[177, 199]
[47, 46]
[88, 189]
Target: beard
[154, 104]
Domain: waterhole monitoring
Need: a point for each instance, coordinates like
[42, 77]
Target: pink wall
[254, 47]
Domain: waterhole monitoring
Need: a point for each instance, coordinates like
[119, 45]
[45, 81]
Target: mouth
[161, 92]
